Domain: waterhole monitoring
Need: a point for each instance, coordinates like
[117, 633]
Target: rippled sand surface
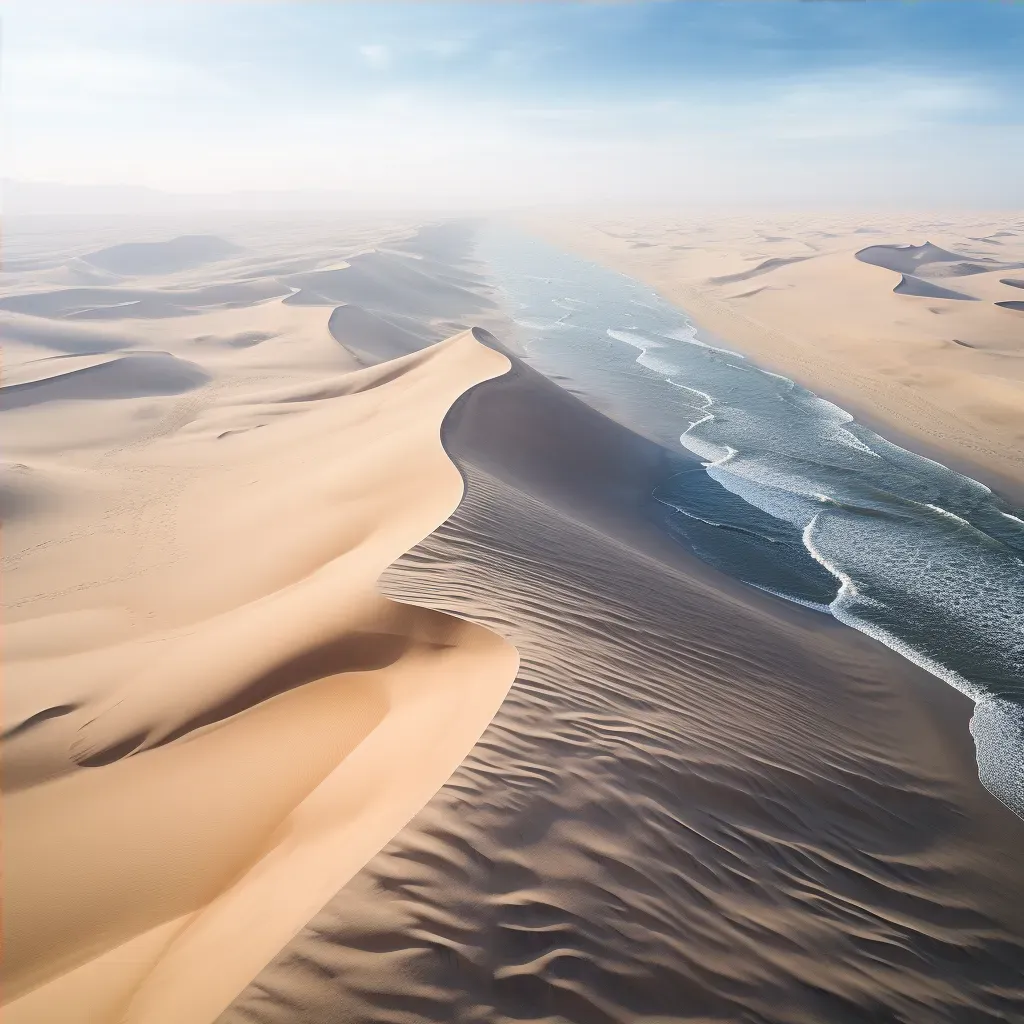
[687, 808]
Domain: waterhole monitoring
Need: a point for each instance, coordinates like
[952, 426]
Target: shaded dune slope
[129, 376]
[907, 259]
[165, 257]
[693, 804]
[761, 268]
[173, 820]
[369, 338]
[910, 285]
[122, 303]
[385, 281]
[68, 338]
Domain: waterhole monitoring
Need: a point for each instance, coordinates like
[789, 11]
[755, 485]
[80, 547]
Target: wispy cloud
[514, 100]
[377, 56]
[870, 104]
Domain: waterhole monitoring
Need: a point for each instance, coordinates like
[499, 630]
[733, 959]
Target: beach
[936, 360]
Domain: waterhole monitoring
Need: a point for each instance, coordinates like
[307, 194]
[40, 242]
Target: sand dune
[339, 675]
[639, 834]
[906, 259]
[244, 339]
[64, 337]
[761, 268]
[182, 253]
[118, 303]
[128, 376]
[212, 716]
[910, 285]
[368, 336]
[964, 269]
[27, 490]
[384, 281]
[256, 625]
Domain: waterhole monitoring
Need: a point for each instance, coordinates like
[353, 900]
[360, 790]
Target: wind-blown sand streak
[691, 806]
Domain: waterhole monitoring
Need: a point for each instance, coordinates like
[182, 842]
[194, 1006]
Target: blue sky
[790, 103]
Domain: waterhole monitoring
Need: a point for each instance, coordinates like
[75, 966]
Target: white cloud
[376, 55]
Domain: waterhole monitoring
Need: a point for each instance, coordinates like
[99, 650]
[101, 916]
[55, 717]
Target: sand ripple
[686, 809]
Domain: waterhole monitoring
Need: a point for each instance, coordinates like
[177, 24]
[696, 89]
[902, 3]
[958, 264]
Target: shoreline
[1010, 488]
[566, 282]
[901, 413]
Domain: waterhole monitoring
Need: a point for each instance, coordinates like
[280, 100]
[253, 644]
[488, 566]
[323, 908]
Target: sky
[820, 102]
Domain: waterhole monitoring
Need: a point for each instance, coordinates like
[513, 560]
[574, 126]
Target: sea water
[788, 493]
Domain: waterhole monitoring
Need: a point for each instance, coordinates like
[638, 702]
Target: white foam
[690, 338]
[825, 609]
[997, 725]
[398, 252]
[633, 340]
[948, 515]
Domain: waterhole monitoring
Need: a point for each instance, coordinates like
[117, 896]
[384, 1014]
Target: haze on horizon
[497, 105]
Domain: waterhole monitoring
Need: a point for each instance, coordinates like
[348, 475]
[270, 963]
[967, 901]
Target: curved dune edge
[693, 804]
[153, 887]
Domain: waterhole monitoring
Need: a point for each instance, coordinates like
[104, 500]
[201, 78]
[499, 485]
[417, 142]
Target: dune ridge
[182, 253]
[692, 805]
[213, 717]
[373, 673]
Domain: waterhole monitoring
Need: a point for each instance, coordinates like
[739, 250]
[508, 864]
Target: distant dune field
[869, 311]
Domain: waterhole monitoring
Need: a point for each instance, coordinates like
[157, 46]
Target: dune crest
[175, 819]
[694, 804]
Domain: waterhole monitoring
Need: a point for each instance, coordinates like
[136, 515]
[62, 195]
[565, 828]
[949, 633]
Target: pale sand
[946, 374]
[213, 718]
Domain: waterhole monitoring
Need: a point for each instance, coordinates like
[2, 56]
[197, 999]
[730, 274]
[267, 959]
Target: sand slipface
[213, 718]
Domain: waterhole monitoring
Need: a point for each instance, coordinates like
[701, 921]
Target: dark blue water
[789, 493]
